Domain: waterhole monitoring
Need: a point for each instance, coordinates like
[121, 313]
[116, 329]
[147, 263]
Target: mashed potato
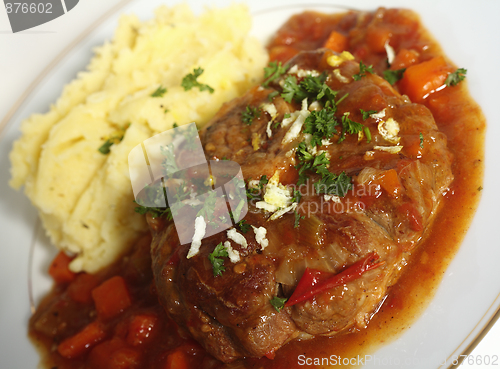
[84, 197]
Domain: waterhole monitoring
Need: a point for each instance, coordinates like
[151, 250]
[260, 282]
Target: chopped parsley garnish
[263, 181]
[321, 125]
[392, 76]
[291, 90]
[298, 217]
[254, 193]
[216, 259]
[421, 140]
[250, 113]
[243, 226]
[155, 212]
[366, 114]
[333, 184]
[153, 194]
[190, 81]
[272, 95]
[105, 147]
[368, 134]
[208, 209]
[456, 77]
[310, 87]
[363, 69]
[278, 303]
[159, 92]
[350, 126]
[115, 138]
[273, 71]
[329, 183]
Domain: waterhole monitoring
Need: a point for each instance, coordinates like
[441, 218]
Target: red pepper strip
[312, 284]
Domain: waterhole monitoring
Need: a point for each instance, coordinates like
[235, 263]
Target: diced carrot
[390, 182]
[59, 269]
[177, 359]
[271, 354]
[141, 328]
[114, 354]
[124, 358]
[377, 37]
[421, 80]
[80, 290]
[404, 59]
[99, 356]
[336, 42]
[111, 297]
[76, 345]
[412, 147]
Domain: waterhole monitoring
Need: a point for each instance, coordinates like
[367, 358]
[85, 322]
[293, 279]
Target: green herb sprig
[216, 260]
[190, 81]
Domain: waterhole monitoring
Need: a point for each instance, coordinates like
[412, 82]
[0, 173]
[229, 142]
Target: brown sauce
[456, 114]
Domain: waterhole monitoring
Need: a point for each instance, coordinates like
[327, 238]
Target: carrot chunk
[141, 328]
[377, 38]
[421, 80]
[177, 360]
[336, 42]
[59, 269]
[80, 290]
[114, 354]
[111, 297]
[76, 345]
[405, 58]
[389, 181]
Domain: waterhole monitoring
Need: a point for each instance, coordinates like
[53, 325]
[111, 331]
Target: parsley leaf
[313, 87]
[115, 138]
[208, 209]
[216, 259]
[349, 126]
[105, 147]
[263, 181]
[421, 140]
[329, 183]
[250, 114]
[333, 184]
[278, 303]
[456, 77]
[366, 114]
[243, 226]
[321, 124]
[190, 81]
[160, 91]
[153, 194]
[272, 95]
[363, 69]
[298, 217]
[254, 193]
[392, 76]
[291, 90]
[273, 71]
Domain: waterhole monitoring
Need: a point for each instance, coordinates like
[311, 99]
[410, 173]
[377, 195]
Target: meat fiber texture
[84, 197]
[230, 314]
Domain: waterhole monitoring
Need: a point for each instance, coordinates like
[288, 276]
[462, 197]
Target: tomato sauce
[131, 330]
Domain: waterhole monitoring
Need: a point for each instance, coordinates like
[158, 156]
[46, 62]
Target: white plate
[469, 295]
